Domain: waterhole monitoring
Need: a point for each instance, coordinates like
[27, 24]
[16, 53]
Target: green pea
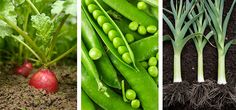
[135, 103]
[130, 94]
[152, 61]
[144, 64]
[129, 38]
[92, 7]
[87, 2]
[153, 71]
[112, 34]
[95, 53]
[142, 30]
[141, 5]
[106, 27]
[126, 57]
[122, 49]
[151, 29]
[133, 26]
[97, 13]
[117, 42]
[101, 20]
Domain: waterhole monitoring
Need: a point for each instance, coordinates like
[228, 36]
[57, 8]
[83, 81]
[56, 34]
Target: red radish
[44, 79]
[28, 65]
[25, 69]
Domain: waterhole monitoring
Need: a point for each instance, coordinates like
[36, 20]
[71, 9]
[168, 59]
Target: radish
[25, 69]
[44, 79]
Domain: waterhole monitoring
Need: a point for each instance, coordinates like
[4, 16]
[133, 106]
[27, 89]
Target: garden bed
[16, 94]
[189, 72]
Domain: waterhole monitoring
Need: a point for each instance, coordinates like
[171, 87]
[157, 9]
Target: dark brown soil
[189, 62]
[16, 94]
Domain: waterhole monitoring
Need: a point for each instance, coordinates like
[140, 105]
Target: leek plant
[179, 30]
[214, 10]
[200, 41]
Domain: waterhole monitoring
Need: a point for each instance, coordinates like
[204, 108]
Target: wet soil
[189, 66]
[16, 94]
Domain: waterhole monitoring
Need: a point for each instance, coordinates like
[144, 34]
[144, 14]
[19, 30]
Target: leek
[214, 10]
[179, 30]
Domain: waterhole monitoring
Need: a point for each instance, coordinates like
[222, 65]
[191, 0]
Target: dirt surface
[16, 94]
[189, 60]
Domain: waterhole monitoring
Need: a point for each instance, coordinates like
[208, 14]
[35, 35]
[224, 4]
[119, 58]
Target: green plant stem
[61, 56]
[36, 55]
[123, 90]
[54, 39]
[200, 75]
[27, 38]
[177, 67]
[221, 67]
[33, 7]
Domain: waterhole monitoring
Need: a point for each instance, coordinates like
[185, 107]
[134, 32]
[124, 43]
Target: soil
[16, 94]
[189, 66]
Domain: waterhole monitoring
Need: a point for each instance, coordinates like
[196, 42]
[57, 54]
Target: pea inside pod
[112, 31]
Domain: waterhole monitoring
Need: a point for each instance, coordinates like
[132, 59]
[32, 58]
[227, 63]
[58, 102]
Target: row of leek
[194, 17]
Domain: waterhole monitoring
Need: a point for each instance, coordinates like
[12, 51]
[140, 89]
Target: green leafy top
[6, 10]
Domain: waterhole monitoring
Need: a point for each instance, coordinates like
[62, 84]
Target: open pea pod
[105, 38]
[103, 64]
[131, 12]
[89, 64]
[145, 48]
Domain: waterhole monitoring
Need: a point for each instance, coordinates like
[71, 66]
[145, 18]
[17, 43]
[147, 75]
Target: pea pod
[141, 82]
[104, 66]
[124, 27]
[113, 102]
[145, 48]
[106, 40]
[131, 12]
[86, 103]
[88, 63]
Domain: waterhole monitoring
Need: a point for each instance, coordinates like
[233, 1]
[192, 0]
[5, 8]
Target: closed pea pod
[104, 66]
[113, 102]
[140, 82]
[131, 12]
[145, 48]
[86, 103]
